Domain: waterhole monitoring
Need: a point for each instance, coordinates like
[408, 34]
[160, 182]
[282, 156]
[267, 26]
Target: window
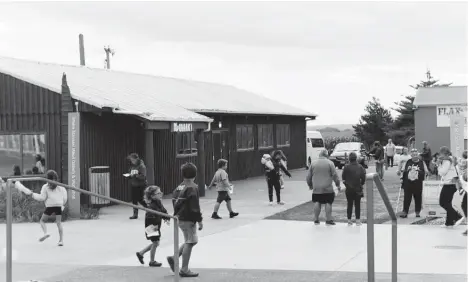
[265, 136]
[317, 143]
[244, 137]
[185, 143]
[22, 154]
[282, 135]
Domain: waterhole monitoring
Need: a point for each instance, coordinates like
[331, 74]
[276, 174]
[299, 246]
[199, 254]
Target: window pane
[265, 135]
[239, 137]
[317, 143]
[185, 143]
[244, 136]
[282, 135]
[10, 155]
[34, 155]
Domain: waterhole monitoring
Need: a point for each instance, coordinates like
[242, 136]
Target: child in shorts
[223, 186]
[152, 197]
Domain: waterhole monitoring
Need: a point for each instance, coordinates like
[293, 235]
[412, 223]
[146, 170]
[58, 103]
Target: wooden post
[149, 156]
[201, 162]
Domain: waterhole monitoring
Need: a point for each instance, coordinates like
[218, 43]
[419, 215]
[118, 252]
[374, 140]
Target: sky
[329, 58]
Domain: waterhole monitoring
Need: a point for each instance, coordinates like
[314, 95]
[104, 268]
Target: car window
[317, 143]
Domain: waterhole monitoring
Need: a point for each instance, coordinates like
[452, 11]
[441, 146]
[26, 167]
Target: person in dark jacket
[378, 153]
[138, 183]
[273, 177]
[414, 174]
[153, 196]
[354, 177]
[426, 154]
[186, 202]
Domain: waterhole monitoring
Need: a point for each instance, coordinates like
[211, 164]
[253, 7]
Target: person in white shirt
[390, 152]
[448, 173]
[55, 198]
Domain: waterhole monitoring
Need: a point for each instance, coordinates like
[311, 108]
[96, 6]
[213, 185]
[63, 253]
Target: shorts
[53, 210]
[151, 221]
[223, 196]
[189, 229]
[327, 198]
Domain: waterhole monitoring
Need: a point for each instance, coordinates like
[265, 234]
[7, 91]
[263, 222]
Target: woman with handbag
[449, 179]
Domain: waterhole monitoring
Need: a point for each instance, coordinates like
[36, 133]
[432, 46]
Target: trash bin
[99, 183]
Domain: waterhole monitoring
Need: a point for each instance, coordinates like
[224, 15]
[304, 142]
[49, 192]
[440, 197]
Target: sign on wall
[445, 112]
[181, 127]
[74, 163]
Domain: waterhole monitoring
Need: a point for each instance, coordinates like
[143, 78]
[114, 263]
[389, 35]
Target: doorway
[220, 147]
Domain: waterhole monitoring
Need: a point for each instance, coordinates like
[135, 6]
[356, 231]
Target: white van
[315, 144]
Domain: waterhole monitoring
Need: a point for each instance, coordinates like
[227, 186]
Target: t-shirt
[414, 172]
[390, 150]
[221, 180]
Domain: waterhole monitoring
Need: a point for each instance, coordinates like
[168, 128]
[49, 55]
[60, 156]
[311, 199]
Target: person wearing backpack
[414, 173]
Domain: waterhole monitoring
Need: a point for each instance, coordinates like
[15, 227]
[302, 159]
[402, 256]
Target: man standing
[378, 153]
[414, 173]
[137, 177]
[426, 154]
[322, 174]
[390, 152]
[354, 177]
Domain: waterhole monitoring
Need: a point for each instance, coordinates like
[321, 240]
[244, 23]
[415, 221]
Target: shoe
[282, 187]
[170, 261]
[350, 222]
[188, 274]
[140, 258]
[271, 203]
[133, 217]
[60, 244]
[215, 216]
[281, 203]
[330, 222]
[155, 264]
[404, 215]
[418, 215]
[233, 214]
[358, 222]
[43, 238]
[317, 222]
[135, 214]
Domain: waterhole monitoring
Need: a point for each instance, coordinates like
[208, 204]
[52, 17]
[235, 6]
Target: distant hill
[333, 130]
[340, 127]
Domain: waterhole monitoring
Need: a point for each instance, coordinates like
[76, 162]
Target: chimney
[82, 54]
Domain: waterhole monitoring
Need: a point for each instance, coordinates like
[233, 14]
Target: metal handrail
[9, 219]
[371, 179]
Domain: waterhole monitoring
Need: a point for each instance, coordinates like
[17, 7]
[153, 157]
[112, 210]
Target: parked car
[342, 151]
[315, 144]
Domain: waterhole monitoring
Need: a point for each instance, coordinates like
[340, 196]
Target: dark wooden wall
[106, 140]
[27, 108]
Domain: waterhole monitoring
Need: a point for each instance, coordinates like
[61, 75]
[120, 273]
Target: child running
[223, 186]
[55, 198]
[152, 197]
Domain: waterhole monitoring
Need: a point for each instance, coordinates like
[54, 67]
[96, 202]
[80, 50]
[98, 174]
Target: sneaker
[330, 222]
[133, 217]
[358, 222]
[170, 261]
[317, 222]
[43, 238]
[140, 258]
[188, 274]
[418, 215]
[271, 203]
[233, 214]
[281, 203]
[155, 264]
[350, 222]
[215, 216]
[60, 244]
[404, 215]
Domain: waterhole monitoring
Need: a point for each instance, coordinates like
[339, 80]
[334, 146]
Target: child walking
[55, 198]
[152, 197]
[186, 200]
[224, 187]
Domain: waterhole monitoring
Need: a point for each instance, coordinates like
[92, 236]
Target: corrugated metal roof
[443, 95]
[164, 97]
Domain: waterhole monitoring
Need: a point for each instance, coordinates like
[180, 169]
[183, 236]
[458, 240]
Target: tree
[374, 123]
[403, 127]
[430, 82]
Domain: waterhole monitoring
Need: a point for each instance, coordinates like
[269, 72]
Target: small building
[77, 117]
[433, 108]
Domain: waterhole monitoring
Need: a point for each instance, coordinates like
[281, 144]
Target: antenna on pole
[82, 52]
[109, 52]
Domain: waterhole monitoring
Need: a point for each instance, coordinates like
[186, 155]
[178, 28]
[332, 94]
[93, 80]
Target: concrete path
[245, 248]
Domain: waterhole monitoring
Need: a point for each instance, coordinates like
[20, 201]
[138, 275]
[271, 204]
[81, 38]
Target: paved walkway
[245, 248]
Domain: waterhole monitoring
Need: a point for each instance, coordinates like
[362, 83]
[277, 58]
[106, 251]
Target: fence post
[176, 250]
[394, 251]
[370, 229]
[9, 245]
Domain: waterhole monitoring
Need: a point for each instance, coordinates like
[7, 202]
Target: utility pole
[82, 53]
[109, 52]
